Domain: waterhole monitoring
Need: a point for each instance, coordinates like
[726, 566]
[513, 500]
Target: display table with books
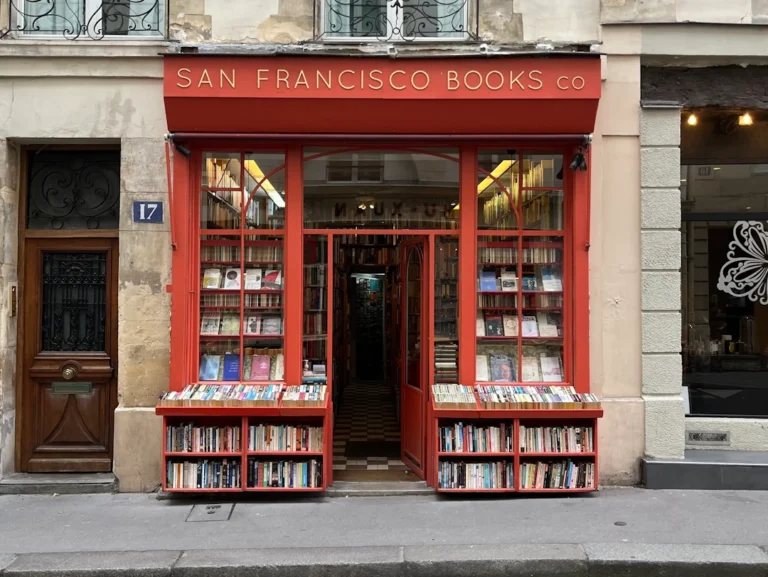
[506, 438]
[232, 438]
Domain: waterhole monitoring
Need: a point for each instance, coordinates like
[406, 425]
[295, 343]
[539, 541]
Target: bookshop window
[381, 189]
[724, 282]
[241, 273]
[520, 275]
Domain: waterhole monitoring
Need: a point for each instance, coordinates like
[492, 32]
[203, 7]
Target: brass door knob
[68, 373]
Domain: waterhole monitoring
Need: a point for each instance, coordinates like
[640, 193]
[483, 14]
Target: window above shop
[88, 19]
[395, 20]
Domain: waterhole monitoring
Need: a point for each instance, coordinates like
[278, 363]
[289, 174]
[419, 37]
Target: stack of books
[534, 397]
[304, 396]
[446, 362]
[452, 396]
[223, 396]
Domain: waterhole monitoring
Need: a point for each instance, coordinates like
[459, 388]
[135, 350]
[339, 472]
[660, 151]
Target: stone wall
[669, 11]
[661, 318]
[9, 215]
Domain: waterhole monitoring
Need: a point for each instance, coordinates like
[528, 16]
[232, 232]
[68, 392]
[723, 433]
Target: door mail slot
[72, 388]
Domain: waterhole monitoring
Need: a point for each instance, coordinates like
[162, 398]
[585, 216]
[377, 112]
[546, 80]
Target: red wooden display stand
[244, 417]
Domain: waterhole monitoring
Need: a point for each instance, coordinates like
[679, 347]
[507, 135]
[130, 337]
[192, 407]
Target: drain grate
[201, 513]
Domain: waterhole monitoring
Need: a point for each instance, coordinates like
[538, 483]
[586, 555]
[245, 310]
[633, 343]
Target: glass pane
[542, 170]
[434, 18]
[74, 190]
[358, 18]
[542, 209]
[264, 178]
[74, 301]
[498, 322]
[221, 196]
[497, 189]
[127, 18]
[413, 335]
[376, 189]
[315, 328]
[446, 309]
[46, 17]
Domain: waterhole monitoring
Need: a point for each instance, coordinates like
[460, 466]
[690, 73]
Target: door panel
[414, 354]
[69, 354]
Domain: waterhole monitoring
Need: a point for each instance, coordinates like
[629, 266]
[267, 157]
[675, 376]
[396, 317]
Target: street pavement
[401, 536]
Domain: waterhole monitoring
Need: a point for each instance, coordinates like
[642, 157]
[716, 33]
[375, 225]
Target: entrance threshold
[378, 489]
[61, 483]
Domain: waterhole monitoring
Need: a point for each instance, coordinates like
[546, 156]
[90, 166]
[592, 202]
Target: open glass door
[414, 356]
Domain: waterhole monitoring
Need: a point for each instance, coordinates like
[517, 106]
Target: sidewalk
[617, 531]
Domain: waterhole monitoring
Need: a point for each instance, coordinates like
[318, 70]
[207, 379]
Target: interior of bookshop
[331, 352]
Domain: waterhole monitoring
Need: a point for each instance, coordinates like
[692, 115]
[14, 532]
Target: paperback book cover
[530, 327]
[209, 367]
[277, 370]
[253, 325]
[494, 326]
[502, 368]
[253, 279]
[529, 283]
[231, 367]
[272, 279]
[510, 325]
[488, 281]
[551, 279]
[508, 281]
[548, 324]
[551, 369]
[480, 325]
[209, 325]
[481, 368]
[211, 278]
[232, 279]
[230, 324]
[260, 368]
[271, 325]
[531, 371]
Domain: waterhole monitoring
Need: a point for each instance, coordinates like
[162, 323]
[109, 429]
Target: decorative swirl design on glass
[70, 18]
[745, 274]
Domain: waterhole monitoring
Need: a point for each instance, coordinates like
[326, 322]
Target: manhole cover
[200, 513]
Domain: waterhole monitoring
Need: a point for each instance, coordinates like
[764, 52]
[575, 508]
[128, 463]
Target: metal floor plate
[202, 512]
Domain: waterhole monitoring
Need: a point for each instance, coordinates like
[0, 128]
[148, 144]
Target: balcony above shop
[84, 19]
[368, 21]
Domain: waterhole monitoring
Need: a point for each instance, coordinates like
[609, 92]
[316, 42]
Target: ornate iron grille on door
[74, 190]
[74, 301]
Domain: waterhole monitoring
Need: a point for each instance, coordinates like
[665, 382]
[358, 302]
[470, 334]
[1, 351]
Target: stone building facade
[56, 91]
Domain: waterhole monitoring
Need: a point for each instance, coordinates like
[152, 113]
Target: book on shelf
[253, 279]
[530, 284]
[551, 369]
[488, 281]
[530, 326]
[531, 370]
[209, 367]
[208, 395]
[231, 366]
[192, 438]
[470, 438]
[510, 325]
[272, 279]
[285, 474]
[550, 279]
[503, 367]
[211, 278]
[534, 397]
[260, 368]
[482, 368]
[271, 325]
[557, 475]
[232, 279]
[494, 326]
[454, 396]
[203, 474]
[480, 324]
[549, 325]
[299, 438]
[309, 395]
[556, 439]
[446, 362]
[463, 475]
[230, 324]
[277, 368]
[508, 280]
[253, 325]
[210, 323]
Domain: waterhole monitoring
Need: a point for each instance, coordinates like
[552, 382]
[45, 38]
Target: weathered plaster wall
[614, 256]
[106, 93]
[705, 11]
[9, 214]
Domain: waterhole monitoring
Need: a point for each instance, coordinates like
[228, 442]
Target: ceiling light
[683, 180]
[255, 172]
[693, 120]
[746, 119]
[361, 206]
[502, 167]
[716, 168]
[370, 206]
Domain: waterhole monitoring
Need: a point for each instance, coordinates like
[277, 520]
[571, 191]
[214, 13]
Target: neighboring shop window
[725, 288]
[521, 272]
[241, 272]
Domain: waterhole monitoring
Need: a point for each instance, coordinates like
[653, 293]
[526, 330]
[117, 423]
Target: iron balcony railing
[396, 20]
[78, 19]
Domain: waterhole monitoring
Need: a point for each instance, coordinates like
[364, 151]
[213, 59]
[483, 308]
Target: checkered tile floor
[367, 413]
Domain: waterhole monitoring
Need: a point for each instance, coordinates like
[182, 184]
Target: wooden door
[69, 354]
[414, 354]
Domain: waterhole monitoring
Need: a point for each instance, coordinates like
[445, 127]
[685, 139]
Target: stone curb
[590, 560]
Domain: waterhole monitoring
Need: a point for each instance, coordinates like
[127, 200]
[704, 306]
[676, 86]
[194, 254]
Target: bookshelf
[446, 310]
[479, 449]
[210, 447]
[315, 312]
